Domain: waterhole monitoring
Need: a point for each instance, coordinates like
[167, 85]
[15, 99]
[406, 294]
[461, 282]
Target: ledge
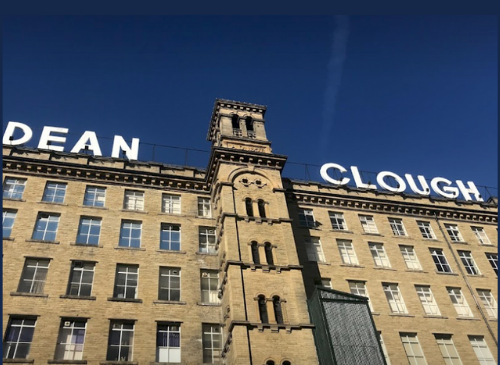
[459, 242]
[129, 248]
[134, 211]
[207, 253]
[19, 361]
[352, 265]
[341, 231]
[321, 263]
[487, 245]
[85, 245]
[209, 304]
[92, 207]
[373, 234]
[175, 302]
[8, 238]
[53, 203]
[18, 294]
[66, 361]
[14, 200]
[203, 217]
[415, 270]
[375, 313]
[401, 236]
[129, 300]
[436, 316]
[468, 318]
[118, 363]
[446, 273]
[81, 297]
[172, 251]
[43, 241]
[384, 268]
[431, 239]
[401, 315]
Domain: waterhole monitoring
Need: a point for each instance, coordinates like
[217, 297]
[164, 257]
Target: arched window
[235, 121]
[249, 206]
[286, 362]
[269, 253]
[255, 253]
[270, 362]
[249, 123]
[262, 208]
[277, 310]
[264, 318]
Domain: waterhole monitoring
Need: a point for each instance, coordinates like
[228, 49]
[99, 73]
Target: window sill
[493, 319]
[93, 207]
[203, 217]
[459, 242]
[468, 319]
[401, 315]
[431, 239]
[8, 239]
[475, 276]
[172, 251]
[375, 313]
[119, 363]
[129, 248]
[14, 200]
[322, 263]
[373, 234]
[85, 245]
[446, 273]
[19, 361]
[66, 361]
[81, 297]
[135, 211]
[487, 245]
[384, 268]
[175, 302]
[208, 304]
[417, 270]
[53, 203]
[207, 253]
[129, 300]
[404, 236]
[43, 241]
[352, 265]
[341, 231]
[435, 316]
[18, 294]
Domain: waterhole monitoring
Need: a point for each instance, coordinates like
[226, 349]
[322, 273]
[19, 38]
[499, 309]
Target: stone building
[111, 261]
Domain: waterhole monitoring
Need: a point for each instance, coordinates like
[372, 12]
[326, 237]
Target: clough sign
[439, 185]
[88, 141]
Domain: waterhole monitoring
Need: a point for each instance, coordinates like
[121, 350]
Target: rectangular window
[426, 230]
[394, 298]
[410, 257]
[54, 192]
[170, 237]
[454, 233]
[489, 302]
[412, 348]
[493, 260]
[212, 343]
[71, 339]
[18, 337]
[398, 229]
[468, 262]
[207, 240]
[359, 288]
[204, 208]
[368, 224]
[379, 256]
[34, 276]
[81, 278]
[170, 284]
[459, 302]
[327, 283]
[427, 300]
[126, 281]
[13, 188]
[134, 200]
[168, 343]
[130, 234]
[448, 350]
[121, 341]
[46, 227]
[337, 220]
[481, 235]
[209, 286]
[384, 349]
[314, 249]
[94, 196]
[171, 204]
[9, 216]
[440, 260]
[306, 218]
[89, 231]
[482, 351]
[347, 253]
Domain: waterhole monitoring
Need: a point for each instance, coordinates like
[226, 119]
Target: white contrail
[334, 76]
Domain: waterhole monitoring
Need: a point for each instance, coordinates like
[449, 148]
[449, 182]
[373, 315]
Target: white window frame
[481, 350]
[379, 255]
[427, 300]
[8, 220]
[79, 279]
[167, 231]
[131, 275]
[166, 283]
[314, 249]
[442, 265]
[394, 298]
[368, 224]
[469, 263]
[410, 257]
[448, 349]
[133, 200]
[413, 349]
[306, 218]
[347, 253]
[117, 325]
[13, 188]
[171, 204]
[481, 235]
[54, 192]
[359, 288]
[493, 260]
[170, 352]
[397, 226]
[459, 302]
[204, 207]
[95, 196]
[327, 283]
[205, 236]
[214, 332]
[16, 343]
[38, 278]
[489, 302]
[209, 279]
[338, 221]
[127, 238]
[87, 230]
[454, 233]
[46, 221]
[67, 348]
[426, 230]
[384, 348]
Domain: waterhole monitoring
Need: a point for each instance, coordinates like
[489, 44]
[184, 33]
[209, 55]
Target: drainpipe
[464, 276]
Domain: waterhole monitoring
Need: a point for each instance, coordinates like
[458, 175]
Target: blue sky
[407, 94]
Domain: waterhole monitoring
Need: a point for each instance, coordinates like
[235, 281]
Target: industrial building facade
[111, 261]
